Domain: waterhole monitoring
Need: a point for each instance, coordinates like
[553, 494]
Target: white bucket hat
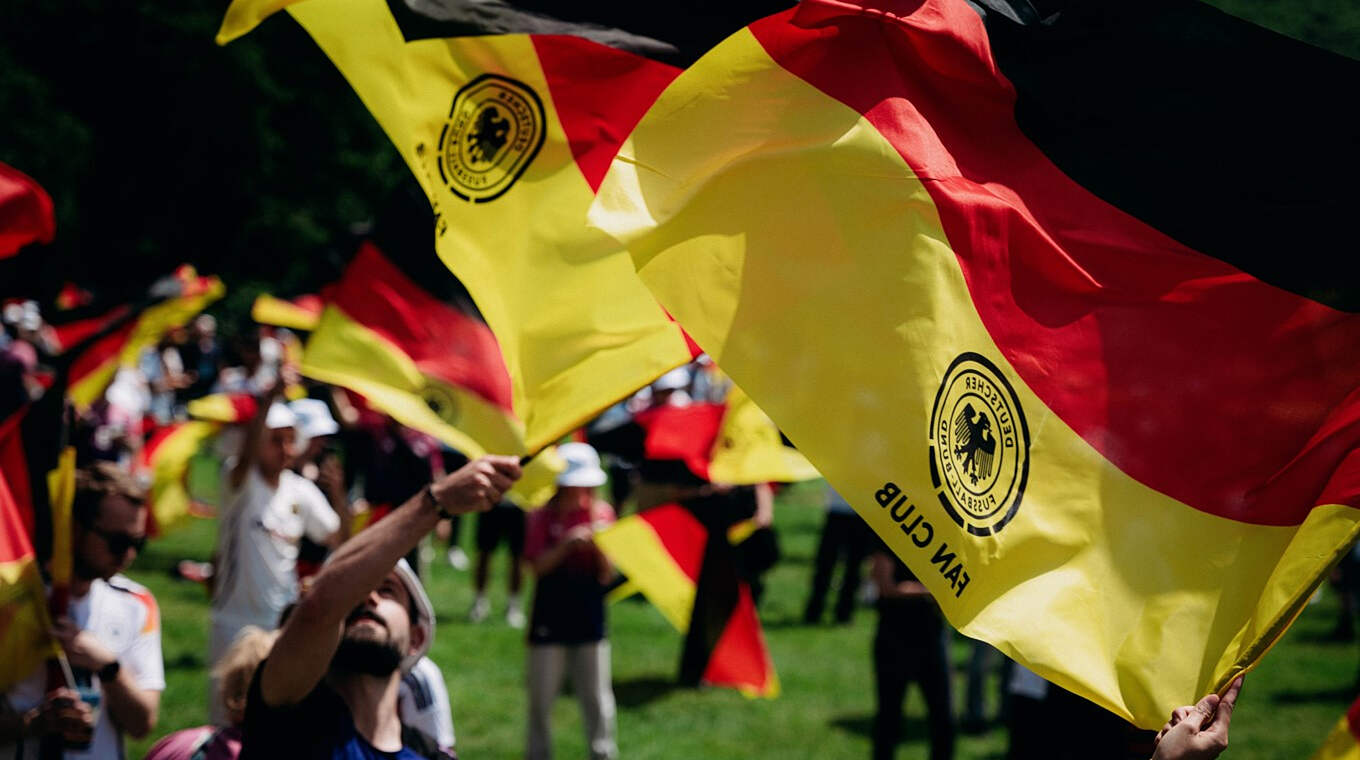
[583, 466]
[313, 420]
[280, 416]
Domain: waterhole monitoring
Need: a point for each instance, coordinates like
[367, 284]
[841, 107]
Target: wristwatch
[110, 672]
[429, 494]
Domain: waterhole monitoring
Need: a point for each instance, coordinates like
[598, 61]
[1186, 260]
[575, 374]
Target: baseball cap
[583, 466]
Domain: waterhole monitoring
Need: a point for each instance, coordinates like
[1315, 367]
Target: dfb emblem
[495, 129]
[979, 446]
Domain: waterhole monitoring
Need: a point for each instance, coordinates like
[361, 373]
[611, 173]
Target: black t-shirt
[916, 617]
[320, 727]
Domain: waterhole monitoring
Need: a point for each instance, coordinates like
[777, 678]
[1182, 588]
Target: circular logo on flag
[979, 445]
[442, 402]
[495, 128]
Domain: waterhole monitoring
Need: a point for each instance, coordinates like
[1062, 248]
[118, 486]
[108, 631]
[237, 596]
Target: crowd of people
[320, 631]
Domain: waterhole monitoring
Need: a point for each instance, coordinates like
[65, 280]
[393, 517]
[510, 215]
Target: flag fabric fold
[1113, 439]
[25, 212]
[23, 609]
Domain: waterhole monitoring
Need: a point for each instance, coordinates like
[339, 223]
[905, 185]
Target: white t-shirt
[124, 617]
[257, 544]
[423, 702]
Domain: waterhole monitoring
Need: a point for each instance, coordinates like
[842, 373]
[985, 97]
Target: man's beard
[365, 655]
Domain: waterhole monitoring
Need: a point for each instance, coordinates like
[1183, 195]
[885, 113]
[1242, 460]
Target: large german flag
[181, 296]
[665, 553]
[508, 115]
[1052, 302]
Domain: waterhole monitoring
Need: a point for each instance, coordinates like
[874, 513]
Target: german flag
[25, 212]
[1343, 743]
[23, 610]
[1051, 301]
[185, 294]
[301, 313]
[508, 115]
[665, 553]
[166, 458]
[227, 408]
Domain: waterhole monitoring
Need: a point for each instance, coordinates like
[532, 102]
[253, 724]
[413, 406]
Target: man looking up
[329, 686]
[266, 510]
[112, 633]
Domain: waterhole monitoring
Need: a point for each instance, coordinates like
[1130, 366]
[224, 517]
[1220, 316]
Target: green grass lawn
[1287, 708]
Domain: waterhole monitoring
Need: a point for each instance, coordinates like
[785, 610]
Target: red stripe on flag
[14, 535]
[682, 536]
[443, 341]
[14, 468]
[1191, 376]
[686, 433]
[739, 658]
[1353, 719]
[599, 94]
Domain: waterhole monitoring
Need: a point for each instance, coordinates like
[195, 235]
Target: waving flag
[301, 313]
[664, 552]
[166, 457]
[187, 293]
[508, 118]
[25, 212]
[1031, 300]
[23, 607]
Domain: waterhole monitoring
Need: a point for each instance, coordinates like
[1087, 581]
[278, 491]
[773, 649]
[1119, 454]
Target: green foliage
[1288, 706]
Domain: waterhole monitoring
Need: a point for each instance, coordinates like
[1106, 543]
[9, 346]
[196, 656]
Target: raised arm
[304, 648]
[250, 443]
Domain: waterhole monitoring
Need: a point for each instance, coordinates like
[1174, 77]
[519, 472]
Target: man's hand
[82, 648]
[476, 486]
[62, 712]
[1198, 732]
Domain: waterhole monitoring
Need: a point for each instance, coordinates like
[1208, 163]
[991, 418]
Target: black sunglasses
[119, 543]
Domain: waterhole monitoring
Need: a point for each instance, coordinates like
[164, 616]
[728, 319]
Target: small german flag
[1343, 743]
[665, 553]
[300, 313]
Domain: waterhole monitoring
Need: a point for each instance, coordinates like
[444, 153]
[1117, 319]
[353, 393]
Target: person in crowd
[202, 356]
[265, 510]
[567, 626]
[1199, 731]
[505, 522]
[111, 633]
[233, 674]
[319, 462]
[845, 537]
[328, 688]
[911, 644]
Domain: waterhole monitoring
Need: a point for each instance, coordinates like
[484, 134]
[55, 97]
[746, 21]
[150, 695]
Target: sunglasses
[119, 543]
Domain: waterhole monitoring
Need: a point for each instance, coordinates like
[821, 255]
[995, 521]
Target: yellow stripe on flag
[170, 499]
[23, 622]
[743, 175]
[748, 449]
[638, 553]
[268, 310]
[61, 494]
[1341, 744]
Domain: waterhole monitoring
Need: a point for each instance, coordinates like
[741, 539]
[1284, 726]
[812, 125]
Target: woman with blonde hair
[232, 673]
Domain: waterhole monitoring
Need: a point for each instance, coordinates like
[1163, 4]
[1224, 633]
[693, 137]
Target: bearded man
[329, 686]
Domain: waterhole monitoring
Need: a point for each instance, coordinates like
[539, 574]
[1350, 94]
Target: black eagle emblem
[976, 444]
[488, 136]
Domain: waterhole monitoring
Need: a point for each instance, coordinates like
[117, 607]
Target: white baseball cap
[583, 466]
[313, 420]
[673, 381]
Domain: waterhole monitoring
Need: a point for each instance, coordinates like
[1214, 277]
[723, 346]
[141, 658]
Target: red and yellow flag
[663, 552]
[508, 119]
[23, 608]
[301, 313]
[166, 458]
[979, 272]
[93, 370]
[1343, 743]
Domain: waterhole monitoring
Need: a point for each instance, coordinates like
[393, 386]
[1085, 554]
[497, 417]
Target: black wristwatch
[110, 672]
[429, 494]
